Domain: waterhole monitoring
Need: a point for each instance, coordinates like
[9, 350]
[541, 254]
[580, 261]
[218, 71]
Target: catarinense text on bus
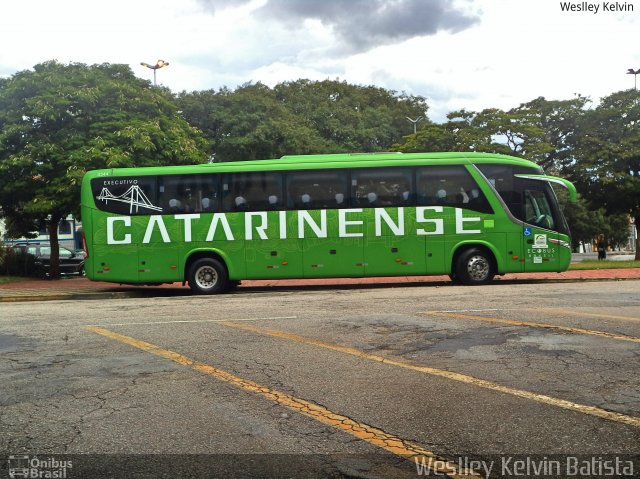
[350, 223]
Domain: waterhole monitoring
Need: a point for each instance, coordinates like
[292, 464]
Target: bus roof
[328, 161]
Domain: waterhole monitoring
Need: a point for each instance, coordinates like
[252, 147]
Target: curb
[71, 296]
[148, 293]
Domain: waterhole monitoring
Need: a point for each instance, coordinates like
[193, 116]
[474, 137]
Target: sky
[471, 54]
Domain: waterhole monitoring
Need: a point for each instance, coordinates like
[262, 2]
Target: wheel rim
[206, 277]
[478, 268]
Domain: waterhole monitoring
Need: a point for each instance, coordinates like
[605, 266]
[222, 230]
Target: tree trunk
[636, 221]
[54, 266]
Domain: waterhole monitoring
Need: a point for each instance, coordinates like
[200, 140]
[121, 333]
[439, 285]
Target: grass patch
[12, 279]
[605, 264]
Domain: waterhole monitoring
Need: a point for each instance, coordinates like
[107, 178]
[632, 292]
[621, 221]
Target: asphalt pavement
[339, 381]
[75, 288]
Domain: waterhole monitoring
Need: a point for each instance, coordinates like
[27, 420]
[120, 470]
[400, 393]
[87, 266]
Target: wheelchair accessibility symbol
[527, 231]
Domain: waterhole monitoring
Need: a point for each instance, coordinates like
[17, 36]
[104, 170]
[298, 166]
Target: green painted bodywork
[158, 261]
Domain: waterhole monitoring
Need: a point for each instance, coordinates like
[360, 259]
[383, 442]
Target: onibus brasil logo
[38, 467]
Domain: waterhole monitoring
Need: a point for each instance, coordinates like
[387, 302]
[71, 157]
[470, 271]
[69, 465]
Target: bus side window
[173, 197]
[240, 203]
[253, 191]
[537, 210]
[129, 195]
[206, 193]
[316, 189]
[382, 187]
[509, 187]
[233, 191]
[206, 204]
[207, 198]
[187, 193]
[449, 186]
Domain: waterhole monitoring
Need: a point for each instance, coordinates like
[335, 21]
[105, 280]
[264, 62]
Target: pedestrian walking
[602, 248]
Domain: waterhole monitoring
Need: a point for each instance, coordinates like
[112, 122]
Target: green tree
[542, 131]
[547, 131]
[584, 222]
[248, 124]
[463, 131]
[352, 118]
[58, 121]
[608, 156]
[300, 117]
[617, 229]
[430, 137]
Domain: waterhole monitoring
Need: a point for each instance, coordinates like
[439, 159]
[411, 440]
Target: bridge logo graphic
[134, 197]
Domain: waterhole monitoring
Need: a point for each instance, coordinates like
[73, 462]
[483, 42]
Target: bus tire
[208, 276]
[475, 266]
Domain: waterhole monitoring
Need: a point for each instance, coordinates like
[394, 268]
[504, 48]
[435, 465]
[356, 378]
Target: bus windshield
[527, 195]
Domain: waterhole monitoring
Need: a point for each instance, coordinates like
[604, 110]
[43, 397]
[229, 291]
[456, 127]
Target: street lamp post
[159, 64]
[415, 123]
[633, 72]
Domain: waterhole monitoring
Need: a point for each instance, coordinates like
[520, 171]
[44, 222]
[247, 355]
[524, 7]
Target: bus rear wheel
[208, 276]
[475, 266]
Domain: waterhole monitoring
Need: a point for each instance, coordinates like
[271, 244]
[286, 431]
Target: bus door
[159, 250]
[540, 229]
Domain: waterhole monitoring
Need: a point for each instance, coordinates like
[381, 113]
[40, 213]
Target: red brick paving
[77, 284]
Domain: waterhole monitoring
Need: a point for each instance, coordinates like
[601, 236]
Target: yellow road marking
[362, 431]
[592, 315]
[177, 321]
[541, 398]
[619, 337]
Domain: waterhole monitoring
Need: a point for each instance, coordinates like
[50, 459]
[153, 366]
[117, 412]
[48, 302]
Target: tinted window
[382, 187]
[126, 195]
[147, 195]
[540, 206]
[188, 193]
[507, 185]
[317, 189]
[449, 186]
[255, 191]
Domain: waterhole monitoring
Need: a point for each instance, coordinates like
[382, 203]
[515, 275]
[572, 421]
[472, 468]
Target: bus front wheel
[208, 276]
[475, 266]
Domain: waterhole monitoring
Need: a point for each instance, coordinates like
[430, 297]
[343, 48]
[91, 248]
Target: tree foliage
[58, 121]
[248, 124]
[608, 156]
[588, 223]
[542, 131]
[258, 122]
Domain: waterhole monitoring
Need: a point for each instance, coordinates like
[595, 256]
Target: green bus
[467, 215]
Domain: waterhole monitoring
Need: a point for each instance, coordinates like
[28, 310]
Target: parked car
[80, 253]
[71, 262]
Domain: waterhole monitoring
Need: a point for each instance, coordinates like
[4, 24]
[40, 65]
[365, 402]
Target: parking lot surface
[386, 380]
